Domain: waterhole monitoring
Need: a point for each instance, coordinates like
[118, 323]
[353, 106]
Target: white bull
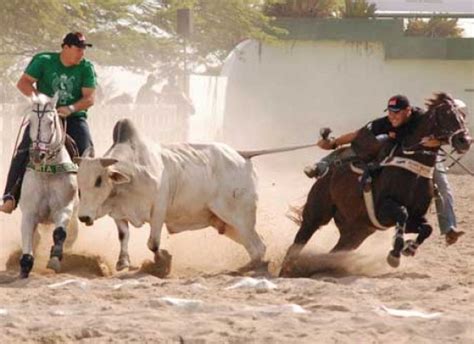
[185, 186]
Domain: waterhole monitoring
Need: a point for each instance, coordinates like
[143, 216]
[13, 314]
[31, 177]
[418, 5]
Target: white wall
[284, 94]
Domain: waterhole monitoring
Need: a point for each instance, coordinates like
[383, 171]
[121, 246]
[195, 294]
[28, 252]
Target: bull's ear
[105, 162]
[118, 177]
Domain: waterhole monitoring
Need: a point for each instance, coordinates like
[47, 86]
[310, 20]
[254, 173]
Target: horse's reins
[42, 146]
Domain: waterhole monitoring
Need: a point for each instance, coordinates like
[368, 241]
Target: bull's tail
[253, 153]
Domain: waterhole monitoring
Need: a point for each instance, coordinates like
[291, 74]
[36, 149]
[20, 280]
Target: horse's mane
[438, 99]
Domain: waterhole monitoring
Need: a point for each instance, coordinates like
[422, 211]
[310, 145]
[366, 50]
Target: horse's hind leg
[422, 228]
[317, 212]
[351, 237]
[390, 211]
[28, 227]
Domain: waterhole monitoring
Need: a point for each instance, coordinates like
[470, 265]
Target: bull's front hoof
[162, 263]
[54, 264]
[254, 268]
[122, 264]
[393, 259]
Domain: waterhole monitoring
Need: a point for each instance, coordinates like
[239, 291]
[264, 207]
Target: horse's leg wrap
[398, 240]
[424, 231]
[26, 264]
[59, 236]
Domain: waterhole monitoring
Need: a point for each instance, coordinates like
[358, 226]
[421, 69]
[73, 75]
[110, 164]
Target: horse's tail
[253, 153]
[295, 213]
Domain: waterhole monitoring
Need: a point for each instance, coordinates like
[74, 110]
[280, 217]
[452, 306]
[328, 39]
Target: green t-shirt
[52, 76]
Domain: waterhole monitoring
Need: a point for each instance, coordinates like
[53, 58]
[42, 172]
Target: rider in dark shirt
[398, 123]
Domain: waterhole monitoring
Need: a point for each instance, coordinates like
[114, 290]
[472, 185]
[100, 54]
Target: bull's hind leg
[317, 212]
[240, 227]
[28, 227]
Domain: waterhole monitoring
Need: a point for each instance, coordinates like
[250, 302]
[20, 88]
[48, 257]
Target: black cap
[397, 103]
[77, 39]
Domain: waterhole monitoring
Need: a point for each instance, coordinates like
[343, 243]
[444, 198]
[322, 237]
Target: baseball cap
[397, 103]
[77, 39]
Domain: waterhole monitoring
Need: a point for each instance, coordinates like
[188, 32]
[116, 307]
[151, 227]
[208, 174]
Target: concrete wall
[283, 94]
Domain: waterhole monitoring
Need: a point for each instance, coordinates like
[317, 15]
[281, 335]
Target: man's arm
[87, 100]
[26, 85]
[339, 141]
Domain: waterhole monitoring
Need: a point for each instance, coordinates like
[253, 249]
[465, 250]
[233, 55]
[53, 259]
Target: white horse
[49, 191]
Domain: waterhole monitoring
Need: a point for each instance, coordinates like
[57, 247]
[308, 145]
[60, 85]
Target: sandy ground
[347, 298]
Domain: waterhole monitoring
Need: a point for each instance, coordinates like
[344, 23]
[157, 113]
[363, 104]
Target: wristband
[71, 108]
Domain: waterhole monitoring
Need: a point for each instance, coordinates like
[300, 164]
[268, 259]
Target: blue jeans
[444, 202]
[77, 128]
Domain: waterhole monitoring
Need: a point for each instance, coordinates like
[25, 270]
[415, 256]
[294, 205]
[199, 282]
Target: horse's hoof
[54, 264]
[24, 274]
[393, 260]
[410, 247]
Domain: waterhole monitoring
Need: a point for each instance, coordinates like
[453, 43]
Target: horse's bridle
[50, 149]
[444, 136]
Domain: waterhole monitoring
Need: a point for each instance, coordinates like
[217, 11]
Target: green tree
[358, 9]
[301, 8]
[131, 33]
[435, 27]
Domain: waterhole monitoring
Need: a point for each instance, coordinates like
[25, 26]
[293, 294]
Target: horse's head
[449, 125]
[46, 132]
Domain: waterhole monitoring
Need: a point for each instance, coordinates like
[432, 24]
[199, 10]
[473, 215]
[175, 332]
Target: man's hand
[63, 111]
[327, 144]
[430, 142]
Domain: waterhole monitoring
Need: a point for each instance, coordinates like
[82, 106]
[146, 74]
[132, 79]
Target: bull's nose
[86, 219]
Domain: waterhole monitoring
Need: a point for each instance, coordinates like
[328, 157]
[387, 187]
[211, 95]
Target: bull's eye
[98, 182]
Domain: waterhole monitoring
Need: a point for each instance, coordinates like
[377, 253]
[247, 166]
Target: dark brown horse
[400, 197]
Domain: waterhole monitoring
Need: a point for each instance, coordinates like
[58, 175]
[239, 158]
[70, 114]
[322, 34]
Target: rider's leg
[320, 168]
[445, 206]
[11, 195]
[78, 129]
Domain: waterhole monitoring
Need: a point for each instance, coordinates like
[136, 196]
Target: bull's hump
[124, 131]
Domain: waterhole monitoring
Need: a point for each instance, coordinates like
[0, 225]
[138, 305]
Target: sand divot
[74, 282]
[249, 282]
[187, 304]
[409, 313]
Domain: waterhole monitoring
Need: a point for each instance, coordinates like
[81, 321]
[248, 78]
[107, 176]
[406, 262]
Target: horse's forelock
[41, 99]
[438, 99]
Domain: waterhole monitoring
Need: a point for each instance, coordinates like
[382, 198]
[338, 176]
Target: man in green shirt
[73, 77]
